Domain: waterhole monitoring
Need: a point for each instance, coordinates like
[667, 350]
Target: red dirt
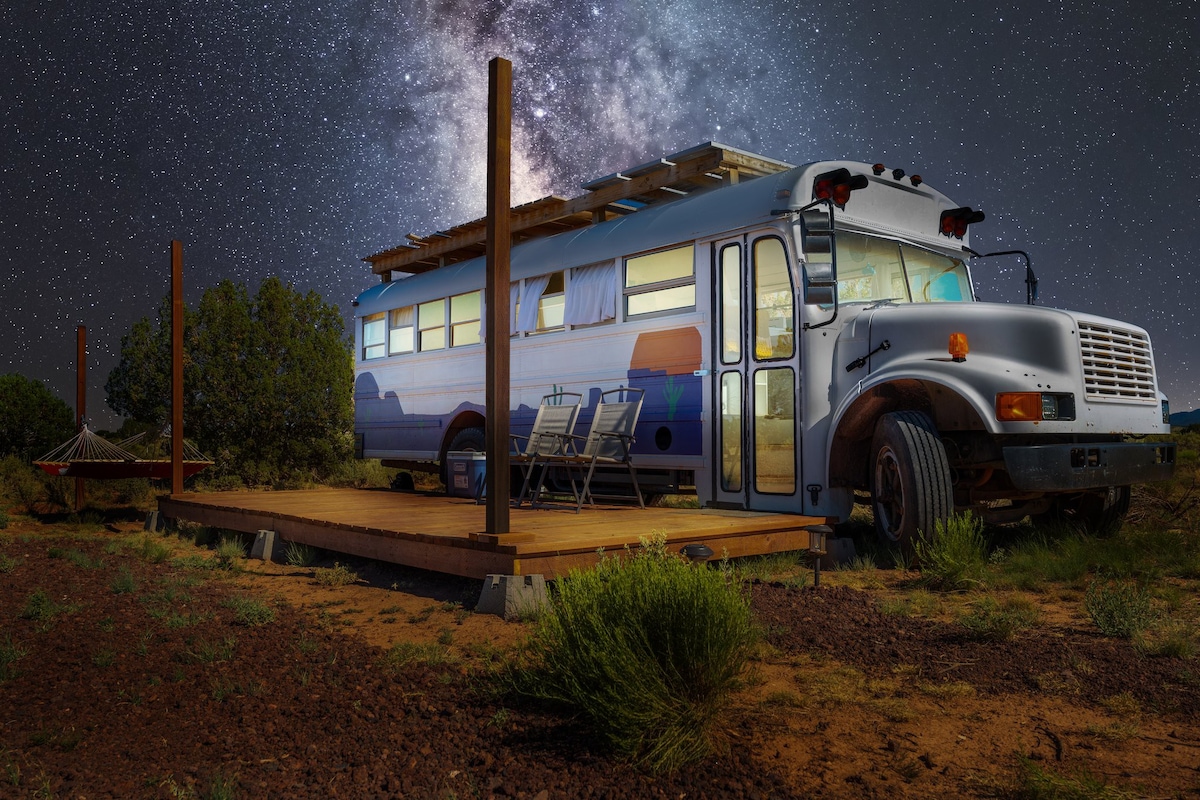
[129, 694]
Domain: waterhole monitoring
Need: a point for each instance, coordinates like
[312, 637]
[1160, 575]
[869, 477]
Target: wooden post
[499, 243]
[80, 399]
[176, 367]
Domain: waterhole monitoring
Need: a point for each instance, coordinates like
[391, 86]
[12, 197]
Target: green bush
[123, 582]
[299, 555]
[955, 557]
[989, 620]
[249, 612]
[1119, 609]
[230, 551]
[648, 648]
[337, 575]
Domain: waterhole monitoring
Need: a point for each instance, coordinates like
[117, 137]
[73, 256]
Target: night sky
[294, 138]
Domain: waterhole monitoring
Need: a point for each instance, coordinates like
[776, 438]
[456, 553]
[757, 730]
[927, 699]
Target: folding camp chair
[608, 444]
[555, 420]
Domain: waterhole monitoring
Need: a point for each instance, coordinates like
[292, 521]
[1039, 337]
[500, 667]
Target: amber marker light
[1019, 406]
[959, 347]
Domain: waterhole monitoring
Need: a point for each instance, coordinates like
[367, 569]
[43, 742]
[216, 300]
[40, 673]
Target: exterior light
[1034, 406]
[916, 180]
[817, 536]
[897, 174]
[878, 169]
[955, 221]
[958, 347]
[697, 553]
[836, 185]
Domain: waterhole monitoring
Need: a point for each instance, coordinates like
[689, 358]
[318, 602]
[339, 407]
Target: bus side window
[662, 281]
[464, 319]
[373, 332]
[431, 318]
[400, 334]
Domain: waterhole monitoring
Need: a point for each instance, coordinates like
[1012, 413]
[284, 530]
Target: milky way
[293, 138]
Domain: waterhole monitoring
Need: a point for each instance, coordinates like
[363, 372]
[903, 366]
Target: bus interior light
[959, 347]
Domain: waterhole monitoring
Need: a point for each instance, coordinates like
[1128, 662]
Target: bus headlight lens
[1034, 406]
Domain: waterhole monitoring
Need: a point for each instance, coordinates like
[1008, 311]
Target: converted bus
[804, 338]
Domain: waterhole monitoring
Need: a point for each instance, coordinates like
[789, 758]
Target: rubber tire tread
[912, 434]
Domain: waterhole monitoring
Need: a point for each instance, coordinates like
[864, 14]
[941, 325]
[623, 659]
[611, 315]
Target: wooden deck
[446, 534]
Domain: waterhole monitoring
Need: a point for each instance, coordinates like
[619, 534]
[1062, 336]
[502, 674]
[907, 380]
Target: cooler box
[466, 473]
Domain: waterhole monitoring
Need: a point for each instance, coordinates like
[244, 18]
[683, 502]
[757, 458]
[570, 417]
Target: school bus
[805, 335]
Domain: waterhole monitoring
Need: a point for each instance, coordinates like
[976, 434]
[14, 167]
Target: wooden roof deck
[706, 166]
[445, 534]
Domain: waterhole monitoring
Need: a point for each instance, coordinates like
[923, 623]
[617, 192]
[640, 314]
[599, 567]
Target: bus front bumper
[1072, 467]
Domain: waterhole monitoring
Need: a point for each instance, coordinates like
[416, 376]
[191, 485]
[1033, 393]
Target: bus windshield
[871, 269]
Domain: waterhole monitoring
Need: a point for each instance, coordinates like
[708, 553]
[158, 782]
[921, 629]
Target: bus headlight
[1034, 406]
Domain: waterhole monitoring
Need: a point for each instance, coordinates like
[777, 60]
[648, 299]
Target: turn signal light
[1034, 406]
[959, 347]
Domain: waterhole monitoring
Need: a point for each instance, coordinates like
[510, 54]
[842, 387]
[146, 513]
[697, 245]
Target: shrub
[337, 575]
[250, 612]
[230, 550]
[299, 555]
[1118, 609]
[955, 557]
[648, 648]
[123, 582]
[994, 621]
[9, 653]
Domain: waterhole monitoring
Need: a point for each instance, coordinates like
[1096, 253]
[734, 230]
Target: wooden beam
[499, 245]
[176, 367]
[80, 400]
[699, 168]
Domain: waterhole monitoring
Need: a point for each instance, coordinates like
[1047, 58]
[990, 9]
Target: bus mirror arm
[1031, 281]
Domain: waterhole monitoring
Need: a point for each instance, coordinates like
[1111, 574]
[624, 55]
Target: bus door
[755, 386]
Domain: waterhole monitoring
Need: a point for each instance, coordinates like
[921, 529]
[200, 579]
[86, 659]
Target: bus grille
[1117, 364]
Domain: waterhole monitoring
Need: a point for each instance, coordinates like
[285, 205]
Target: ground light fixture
[817, 535]
[697, 552]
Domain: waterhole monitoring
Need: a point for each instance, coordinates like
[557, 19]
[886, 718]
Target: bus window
[431, 318]
[550, 304]
[400, 334]
[373, 332]
[773, 304]
[464, 319]
[663, 281]
[869, 270]
[935, 278]
[731, 304]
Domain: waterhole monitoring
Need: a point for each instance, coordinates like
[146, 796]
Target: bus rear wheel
[911, 485]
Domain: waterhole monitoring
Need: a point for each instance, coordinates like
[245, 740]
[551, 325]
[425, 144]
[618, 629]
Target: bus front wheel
[911, 485]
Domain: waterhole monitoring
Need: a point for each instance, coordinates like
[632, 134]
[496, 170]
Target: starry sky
[294, 137]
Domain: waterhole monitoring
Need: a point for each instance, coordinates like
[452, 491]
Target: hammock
[89, 455]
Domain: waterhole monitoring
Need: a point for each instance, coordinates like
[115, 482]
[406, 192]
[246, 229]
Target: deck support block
[512, 596]
[154, 522]
[838, 552]
[264, 545]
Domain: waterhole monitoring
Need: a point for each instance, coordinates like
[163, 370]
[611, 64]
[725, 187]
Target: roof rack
[706, 166]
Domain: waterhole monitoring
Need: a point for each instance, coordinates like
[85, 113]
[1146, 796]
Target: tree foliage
[268, 381]
[32, 419]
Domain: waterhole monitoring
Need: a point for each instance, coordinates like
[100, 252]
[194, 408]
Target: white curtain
[514, 291]
[592, 295]
[527, 314]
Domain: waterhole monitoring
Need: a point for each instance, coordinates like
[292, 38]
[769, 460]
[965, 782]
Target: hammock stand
[89, 455]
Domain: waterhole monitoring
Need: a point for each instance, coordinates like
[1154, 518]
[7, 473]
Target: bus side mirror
[820, 271]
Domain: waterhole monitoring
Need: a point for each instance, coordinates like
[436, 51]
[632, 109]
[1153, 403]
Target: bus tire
[1098, 513]
[470, 440]
[911, 486]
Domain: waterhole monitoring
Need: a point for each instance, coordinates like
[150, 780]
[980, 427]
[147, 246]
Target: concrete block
[838, 552]
[154, 522]
[512, 596]
[264, 545]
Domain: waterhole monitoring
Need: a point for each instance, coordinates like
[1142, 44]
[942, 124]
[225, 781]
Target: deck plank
[446, 534]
